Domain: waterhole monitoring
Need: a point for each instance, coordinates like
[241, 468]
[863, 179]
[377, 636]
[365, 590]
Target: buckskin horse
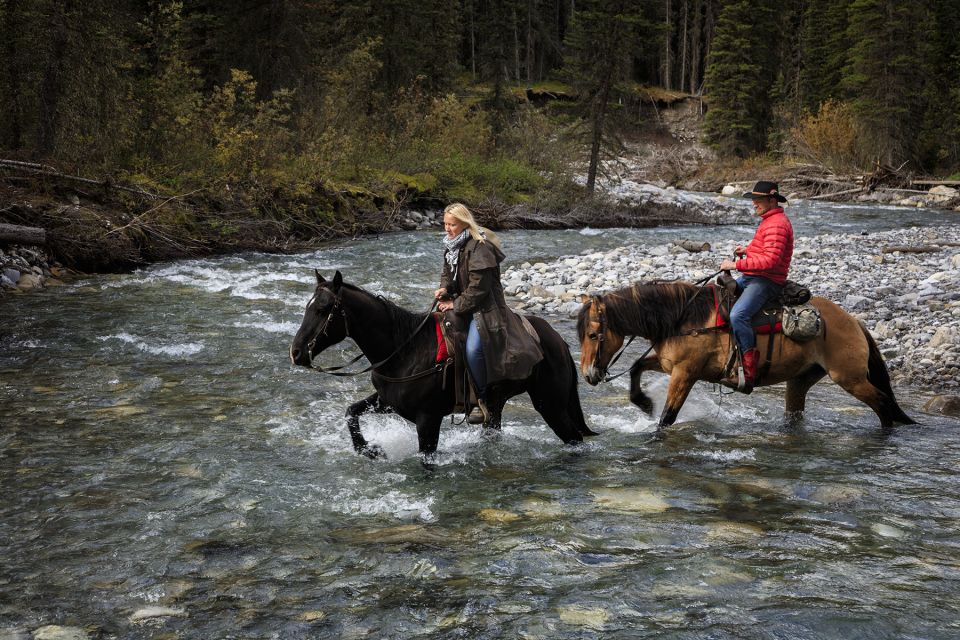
[406, 375]
[679, 319]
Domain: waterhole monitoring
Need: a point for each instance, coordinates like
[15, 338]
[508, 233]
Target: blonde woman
[498, 348]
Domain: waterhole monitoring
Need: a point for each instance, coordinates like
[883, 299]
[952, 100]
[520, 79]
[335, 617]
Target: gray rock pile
[908, 298]
[411, 220]
[682, 204]
[26, 268]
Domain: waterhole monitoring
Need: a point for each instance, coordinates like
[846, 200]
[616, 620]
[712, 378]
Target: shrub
[830, 137]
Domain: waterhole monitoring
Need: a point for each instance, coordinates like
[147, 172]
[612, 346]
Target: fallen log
[836, 193]
[924, 248]
[16, 234]
[44, 170]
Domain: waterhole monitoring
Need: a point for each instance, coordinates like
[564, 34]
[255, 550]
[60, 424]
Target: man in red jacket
[764, 264]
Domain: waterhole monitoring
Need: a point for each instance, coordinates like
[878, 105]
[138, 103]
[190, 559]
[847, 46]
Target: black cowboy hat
[765, 189]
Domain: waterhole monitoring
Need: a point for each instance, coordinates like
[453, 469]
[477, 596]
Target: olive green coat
[510, 352]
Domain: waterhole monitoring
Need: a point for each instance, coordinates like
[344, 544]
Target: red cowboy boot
[749, 360]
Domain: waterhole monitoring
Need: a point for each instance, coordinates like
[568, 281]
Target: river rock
[29, 281]
[944, 191]
[11, 274]
[947, 405]
[729, 190]
[14, 634]
[149, 613]
[56, 632]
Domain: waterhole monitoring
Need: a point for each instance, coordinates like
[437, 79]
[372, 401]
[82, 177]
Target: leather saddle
[767, 320]
[451, 343]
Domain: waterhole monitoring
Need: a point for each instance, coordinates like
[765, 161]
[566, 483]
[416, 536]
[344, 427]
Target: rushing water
[158, 450]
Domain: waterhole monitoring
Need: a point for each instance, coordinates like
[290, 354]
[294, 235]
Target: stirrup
[475, 416]
[480, 413]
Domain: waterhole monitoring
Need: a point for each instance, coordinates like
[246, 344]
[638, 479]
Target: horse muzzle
[593, 376]
[300, 357]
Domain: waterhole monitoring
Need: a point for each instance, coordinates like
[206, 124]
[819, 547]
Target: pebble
[908, 301]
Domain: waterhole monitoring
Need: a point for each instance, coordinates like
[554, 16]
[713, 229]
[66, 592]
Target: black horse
[406, 376]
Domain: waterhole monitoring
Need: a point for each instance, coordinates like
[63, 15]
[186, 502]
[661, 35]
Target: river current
[166, 472]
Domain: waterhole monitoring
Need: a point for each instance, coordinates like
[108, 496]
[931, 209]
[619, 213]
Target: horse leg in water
[797, 388]
[681, 382]
[428, 431]
[354, 411]
[495, 401]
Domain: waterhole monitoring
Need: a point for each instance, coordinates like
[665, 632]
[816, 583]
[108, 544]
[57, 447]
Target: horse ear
[320, 279]
[584, 298]
[337, 280]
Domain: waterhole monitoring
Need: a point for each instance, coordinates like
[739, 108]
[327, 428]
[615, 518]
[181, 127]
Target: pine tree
[740, 76]
[600, 48]
[824, 46]
[884, 75]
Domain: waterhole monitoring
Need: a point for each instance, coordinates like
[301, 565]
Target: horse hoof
[490, 433]
[373, 451]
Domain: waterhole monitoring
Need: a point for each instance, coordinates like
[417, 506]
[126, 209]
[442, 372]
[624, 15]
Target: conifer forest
[335, 106]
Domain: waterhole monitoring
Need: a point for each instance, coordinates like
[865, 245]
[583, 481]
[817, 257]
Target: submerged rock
[639, 500]
[56, 632]
[592, 618]
[947, 405]
[148, 613]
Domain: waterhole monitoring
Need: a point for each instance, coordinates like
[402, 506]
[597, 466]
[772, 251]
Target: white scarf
[453, 246]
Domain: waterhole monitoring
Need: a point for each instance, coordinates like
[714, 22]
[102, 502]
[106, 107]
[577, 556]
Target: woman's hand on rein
[445, 306]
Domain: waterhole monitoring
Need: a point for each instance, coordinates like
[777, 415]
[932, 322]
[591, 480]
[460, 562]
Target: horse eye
[592, 336]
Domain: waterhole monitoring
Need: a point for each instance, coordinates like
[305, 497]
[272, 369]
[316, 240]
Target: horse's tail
[574, 409]
[879, 377]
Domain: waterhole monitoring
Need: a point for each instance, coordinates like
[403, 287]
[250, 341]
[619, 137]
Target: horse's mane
[655, 310]
[403, 322]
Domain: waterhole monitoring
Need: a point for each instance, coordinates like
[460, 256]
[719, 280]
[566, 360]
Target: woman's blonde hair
[461, 213]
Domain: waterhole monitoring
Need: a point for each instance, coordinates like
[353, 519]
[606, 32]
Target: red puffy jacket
[771, 249]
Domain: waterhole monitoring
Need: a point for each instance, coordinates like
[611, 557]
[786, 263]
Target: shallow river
[157, 449]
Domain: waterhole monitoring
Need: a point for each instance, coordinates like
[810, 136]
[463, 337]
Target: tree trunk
[16, 234]
[51, 87]
[473, 44]
[516, 47]
[683, 46]
[530, 9]
[9, 106]
[667, 52]
[596, 135]
[695, 55]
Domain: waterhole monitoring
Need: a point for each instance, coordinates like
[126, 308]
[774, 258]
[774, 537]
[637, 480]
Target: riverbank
[111, 230]
[900, 283]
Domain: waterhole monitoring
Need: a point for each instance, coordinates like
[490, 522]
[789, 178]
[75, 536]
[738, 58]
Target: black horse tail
[879, 377]
[574, 409]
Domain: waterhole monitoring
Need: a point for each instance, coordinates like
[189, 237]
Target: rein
[603, 327]
[337, 371]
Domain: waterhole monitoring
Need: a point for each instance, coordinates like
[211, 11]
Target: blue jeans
[756, 292]
[475, 359]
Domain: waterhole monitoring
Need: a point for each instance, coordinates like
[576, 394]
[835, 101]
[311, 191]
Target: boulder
[729, 190]
[947, 405]
[944, 191]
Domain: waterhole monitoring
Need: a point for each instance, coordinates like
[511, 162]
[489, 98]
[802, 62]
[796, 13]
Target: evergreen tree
[885, 74]
[740, 76]
[824, 46]
[600, 47]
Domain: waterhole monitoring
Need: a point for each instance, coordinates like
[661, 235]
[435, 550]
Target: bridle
[338, 308]
[597, 302]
